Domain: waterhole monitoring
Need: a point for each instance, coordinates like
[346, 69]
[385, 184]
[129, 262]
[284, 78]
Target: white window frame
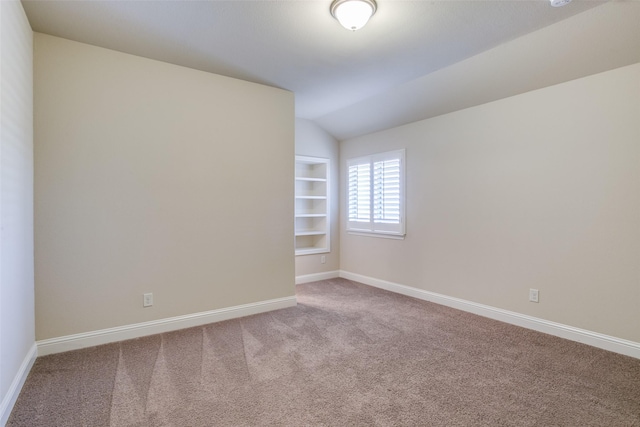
[357, 221]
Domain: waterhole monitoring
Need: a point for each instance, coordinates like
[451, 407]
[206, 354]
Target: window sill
[374, 234]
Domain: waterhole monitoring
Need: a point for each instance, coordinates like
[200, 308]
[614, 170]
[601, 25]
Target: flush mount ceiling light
[558, 3]
[353, 14]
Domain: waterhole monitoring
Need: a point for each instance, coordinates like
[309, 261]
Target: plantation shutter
[376, 194]
[386, 191]
[359, 187]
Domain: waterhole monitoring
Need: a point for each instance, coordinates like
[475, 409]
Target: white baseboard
[16, 385]
[306, 278]
[606, 342]
[105, 336]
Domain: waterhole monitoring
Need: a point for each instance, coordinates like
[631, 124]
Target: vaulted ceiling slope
[414, 60]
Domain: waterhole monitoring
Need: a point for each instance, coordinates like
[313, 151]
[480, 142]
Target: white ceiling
[415, 59]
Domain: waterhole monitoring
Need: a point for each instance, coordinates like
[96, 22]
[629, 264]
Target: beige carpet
[347, 355]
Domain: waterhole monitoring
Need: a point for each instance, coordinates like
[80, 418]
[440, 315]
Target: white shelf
[311, 205]
[310, 250]
[300, 178]
[311, 233]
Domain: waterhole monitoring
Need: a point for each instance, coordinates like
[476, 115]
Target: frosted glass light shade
[353, 14]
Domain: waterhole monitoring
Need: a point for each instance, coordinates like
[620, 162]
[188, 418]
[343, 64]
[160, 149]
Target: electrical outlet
[533, 295]
[148, 300]
[323, 259]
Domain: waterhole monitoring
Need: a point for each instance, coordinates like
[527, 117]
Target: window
[376, 194]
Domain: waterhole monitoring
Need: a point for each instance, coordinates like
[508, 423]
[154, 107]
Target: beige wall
[541, 190]
[16, 201]
[152, 177]
[311, 140]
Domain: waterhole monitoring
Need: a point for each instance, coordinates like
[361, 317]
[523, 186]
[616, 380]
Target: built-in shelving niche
[312, 205]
